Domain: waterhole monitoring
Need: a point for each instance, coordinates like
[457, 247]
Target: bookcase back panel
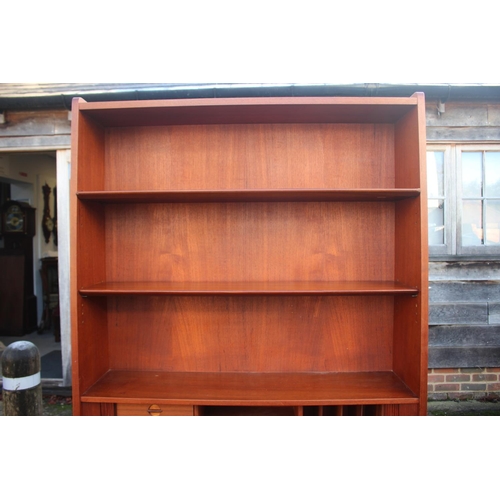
[409, 259]
[250, 242]
[271, 156]
[250, 334]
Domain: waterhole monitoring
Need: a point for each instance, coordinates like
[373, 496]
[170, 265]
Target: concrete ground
[462, 408]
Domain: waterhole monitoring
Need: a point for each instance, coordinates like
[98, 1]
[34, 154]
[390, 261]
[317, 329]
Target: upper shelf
[249, 110]
[204, 196]
[249, 288]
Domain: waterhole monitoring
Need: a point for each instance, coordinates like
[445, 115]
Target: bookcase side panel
[90, 154]
[88, 321]
[410, 346]
[91, 256]
[407, 151]
[410, 313]
[254, 156]
[92, 351]
[251, 334]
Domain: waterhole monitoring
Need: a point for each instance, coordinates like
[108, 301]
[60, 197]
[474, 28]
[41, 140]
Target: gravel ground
[53, 406]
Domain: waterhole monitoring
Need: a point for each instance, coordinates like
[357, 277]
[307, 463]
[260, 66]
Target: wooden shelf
[249, 288]
[248, 110]
[238, 389]
[251, 195]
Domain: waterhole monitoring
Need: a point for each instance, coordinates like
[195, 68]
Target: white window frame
[480, 249]
[450, 238]
[453, 202]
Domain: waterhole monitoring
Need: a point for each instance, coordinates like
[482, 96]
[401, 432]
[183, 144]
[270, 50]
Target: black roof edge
[443, 92]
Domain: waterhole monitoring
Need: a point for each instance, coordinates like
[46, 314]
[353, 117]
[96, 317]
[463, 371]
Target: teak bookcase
[249, 256]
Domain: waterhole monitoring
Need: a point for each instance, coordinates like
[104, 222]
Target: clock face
[14, 220]
[49, 223]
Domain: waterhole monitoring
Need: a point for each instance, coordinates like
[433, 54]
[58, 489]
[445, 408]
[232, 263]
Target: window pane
[472, 223]
[436, 222]
[493, 223]
[472, 175]
[492, 174]
[435, 173]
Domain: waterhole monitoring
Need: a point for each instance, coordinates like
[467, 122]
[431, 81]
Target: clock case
[28, 212]
[18, 308]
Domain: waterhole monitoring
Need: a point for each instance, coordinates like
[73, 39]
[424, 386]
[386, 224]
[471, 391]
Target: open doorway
[31, 180]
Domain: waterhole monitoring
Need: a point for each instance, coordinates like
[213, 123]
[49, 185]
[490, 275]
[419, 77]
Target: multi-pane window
[463, 184]
[480, 198]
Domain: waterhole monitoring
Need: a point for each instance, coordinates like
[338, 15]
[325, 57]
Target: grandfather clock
[18, 314]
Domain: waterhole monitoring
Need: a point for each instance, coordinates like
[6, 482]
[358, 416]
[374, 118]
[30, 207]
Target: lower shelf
[249, 389]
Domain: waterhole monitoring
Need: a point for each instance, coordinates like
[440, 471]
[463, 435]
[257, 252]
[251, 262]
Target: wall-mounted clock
[47, 222]
[55, 216]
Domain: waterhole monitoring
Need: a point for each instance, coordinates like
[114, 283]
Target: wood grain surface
[226, 242]
[250, 252]
[250, 389]
[250, 334]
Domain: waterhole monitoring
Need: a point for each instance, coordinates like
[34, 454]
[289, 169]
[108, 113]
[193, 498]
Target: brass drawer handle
[155, 410]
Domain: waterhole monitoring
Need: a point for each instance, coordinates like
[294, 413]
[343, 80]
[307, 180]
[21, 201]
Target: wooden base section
[153, 410]
[162, 410]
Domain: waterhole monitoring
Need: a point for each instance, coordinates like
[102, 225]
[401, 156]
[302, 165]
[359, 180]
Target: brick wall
[464, 383]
